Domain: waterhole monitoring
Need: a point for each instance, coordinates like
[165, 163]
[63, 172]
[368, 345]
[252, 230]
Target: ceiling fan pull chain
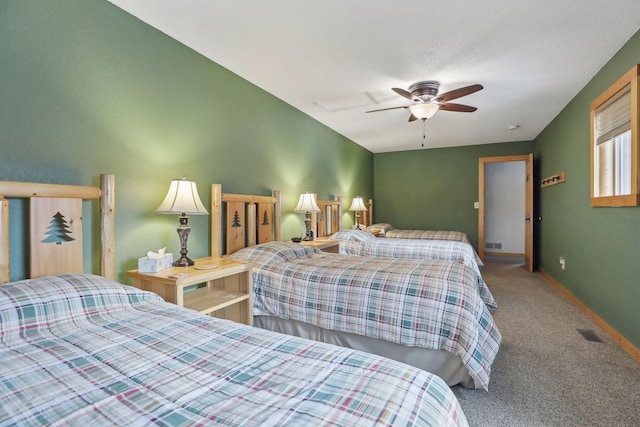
[424, 136]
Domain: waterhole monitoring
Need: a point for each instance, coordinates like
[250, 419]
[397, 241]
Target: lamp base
[183, 233]
[307, 225]
[183, 262]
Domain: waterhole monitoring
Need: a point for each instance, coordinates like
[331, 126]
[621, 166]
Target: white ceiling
[336, 59]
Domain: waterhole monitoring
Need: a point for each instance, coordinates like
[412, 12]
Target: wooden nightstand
[325, 245]
[227, 292]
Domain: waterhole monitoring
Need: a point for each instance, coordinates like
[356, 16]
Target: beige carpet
[546, 372]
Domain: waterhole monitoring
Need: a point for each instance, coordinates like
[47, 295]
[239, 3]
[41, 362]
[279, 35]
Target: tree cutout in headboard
[49, 226]
[265, 232]
[58, 230]
[235, 228]
[236, 220]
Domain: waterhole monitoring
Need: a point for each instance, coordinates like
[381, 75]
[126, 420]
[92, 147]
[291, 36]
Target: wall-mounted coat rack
[553, 180]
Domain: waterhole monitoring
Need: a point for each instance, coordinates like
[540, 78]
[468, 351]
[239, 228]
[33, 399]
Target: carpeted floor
[546, 372]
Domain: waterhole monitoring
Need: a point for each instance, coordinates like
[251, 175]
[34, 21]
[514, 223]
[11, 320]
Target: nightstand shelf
[227, 291]
[207, 300]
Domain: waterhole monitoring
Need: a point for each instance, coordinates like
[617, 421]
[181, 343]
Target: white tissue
[158, 254]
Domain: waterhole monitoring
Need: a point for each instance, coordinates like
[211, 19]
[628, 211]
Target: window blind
[614, 117]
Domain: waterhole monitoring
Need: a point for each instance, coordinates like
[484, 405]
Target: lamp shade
[424, 111]
[357, 205]
[182, 198]
[307, 203]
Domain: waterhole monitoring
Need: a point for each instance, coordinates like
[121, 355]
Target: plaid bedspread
[416, 303]
[383, 229]
[356, 242]
[82, 350]
[456, 236]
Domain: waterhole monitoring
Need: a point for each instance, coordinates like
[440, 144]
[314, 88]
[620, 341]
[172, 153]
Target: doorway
[487, 184]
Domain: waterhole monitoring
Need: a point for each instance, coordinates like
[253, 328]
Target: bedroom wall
[86, 88]
[601, 245]
[434, 188]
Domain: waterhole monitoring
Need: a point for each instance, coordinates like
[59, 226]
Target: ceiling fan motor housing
[424, 91]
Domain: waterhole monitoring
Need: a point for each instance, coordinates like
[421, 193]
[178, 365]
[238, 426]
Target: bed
[363, 243]
[387, 230]
[432, 317]
[408, 308]
[81, 349]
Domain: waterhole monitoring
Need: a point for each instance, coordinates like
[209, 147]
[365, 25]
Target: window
[614, 144]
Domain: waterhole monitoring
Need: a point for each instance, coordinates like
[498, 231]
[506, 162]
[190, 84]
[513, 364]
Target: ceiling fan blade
[385, 109]
[458, 107]
[403, 92]
[412, 118]
[457, 93]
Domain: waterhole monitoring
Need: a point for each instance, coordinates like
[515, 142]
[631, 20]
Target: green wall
[601, 245]
[86, 88]
[434, 188]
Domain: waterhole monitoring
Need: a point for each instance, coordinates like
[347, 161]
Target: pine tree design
[265, 218]
[58, 230]
[236, 220]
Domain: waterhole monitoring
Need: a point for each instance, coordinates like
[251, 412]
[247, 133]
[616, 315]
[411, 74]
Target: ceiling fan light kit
[424, 111]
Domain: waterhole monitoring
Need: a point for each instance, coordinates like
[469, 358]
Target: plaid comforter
[456, 236]
[356, 242]
[82, 350]
[416, 303]
[386, 230]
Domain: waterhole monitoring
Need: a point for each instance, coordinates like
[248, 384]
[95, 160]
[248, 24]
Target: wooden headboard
[56, 226]
[250, 220]
[367, 217]
[329, 219]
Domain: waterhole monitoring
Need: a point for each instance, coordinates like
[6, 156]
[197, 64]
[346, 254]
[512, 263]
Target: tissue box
[155, 264]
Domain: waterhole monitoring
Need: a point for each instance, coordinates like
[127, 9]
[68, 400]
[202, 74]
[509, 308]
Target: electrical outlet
[562, 263]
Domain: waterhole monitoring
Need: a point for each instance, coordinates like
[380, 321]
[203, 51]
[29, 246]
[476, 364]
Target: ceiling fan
[427, 101]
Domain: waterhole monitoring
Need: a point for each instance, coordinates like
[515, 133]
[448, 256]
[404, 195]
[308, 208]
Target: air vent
[348, 102]
[589, 335]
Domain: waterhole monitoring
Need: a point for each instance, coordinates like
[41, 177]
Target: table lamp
[306, 205]
[183, 199]
[357, 205]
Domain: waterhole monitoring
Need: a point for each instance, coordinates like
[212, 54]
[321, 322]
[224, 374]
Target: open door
[528, 219]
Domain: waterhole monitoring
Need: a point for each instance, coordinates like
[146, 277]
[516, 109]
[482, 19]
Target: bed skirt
[442, 363]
